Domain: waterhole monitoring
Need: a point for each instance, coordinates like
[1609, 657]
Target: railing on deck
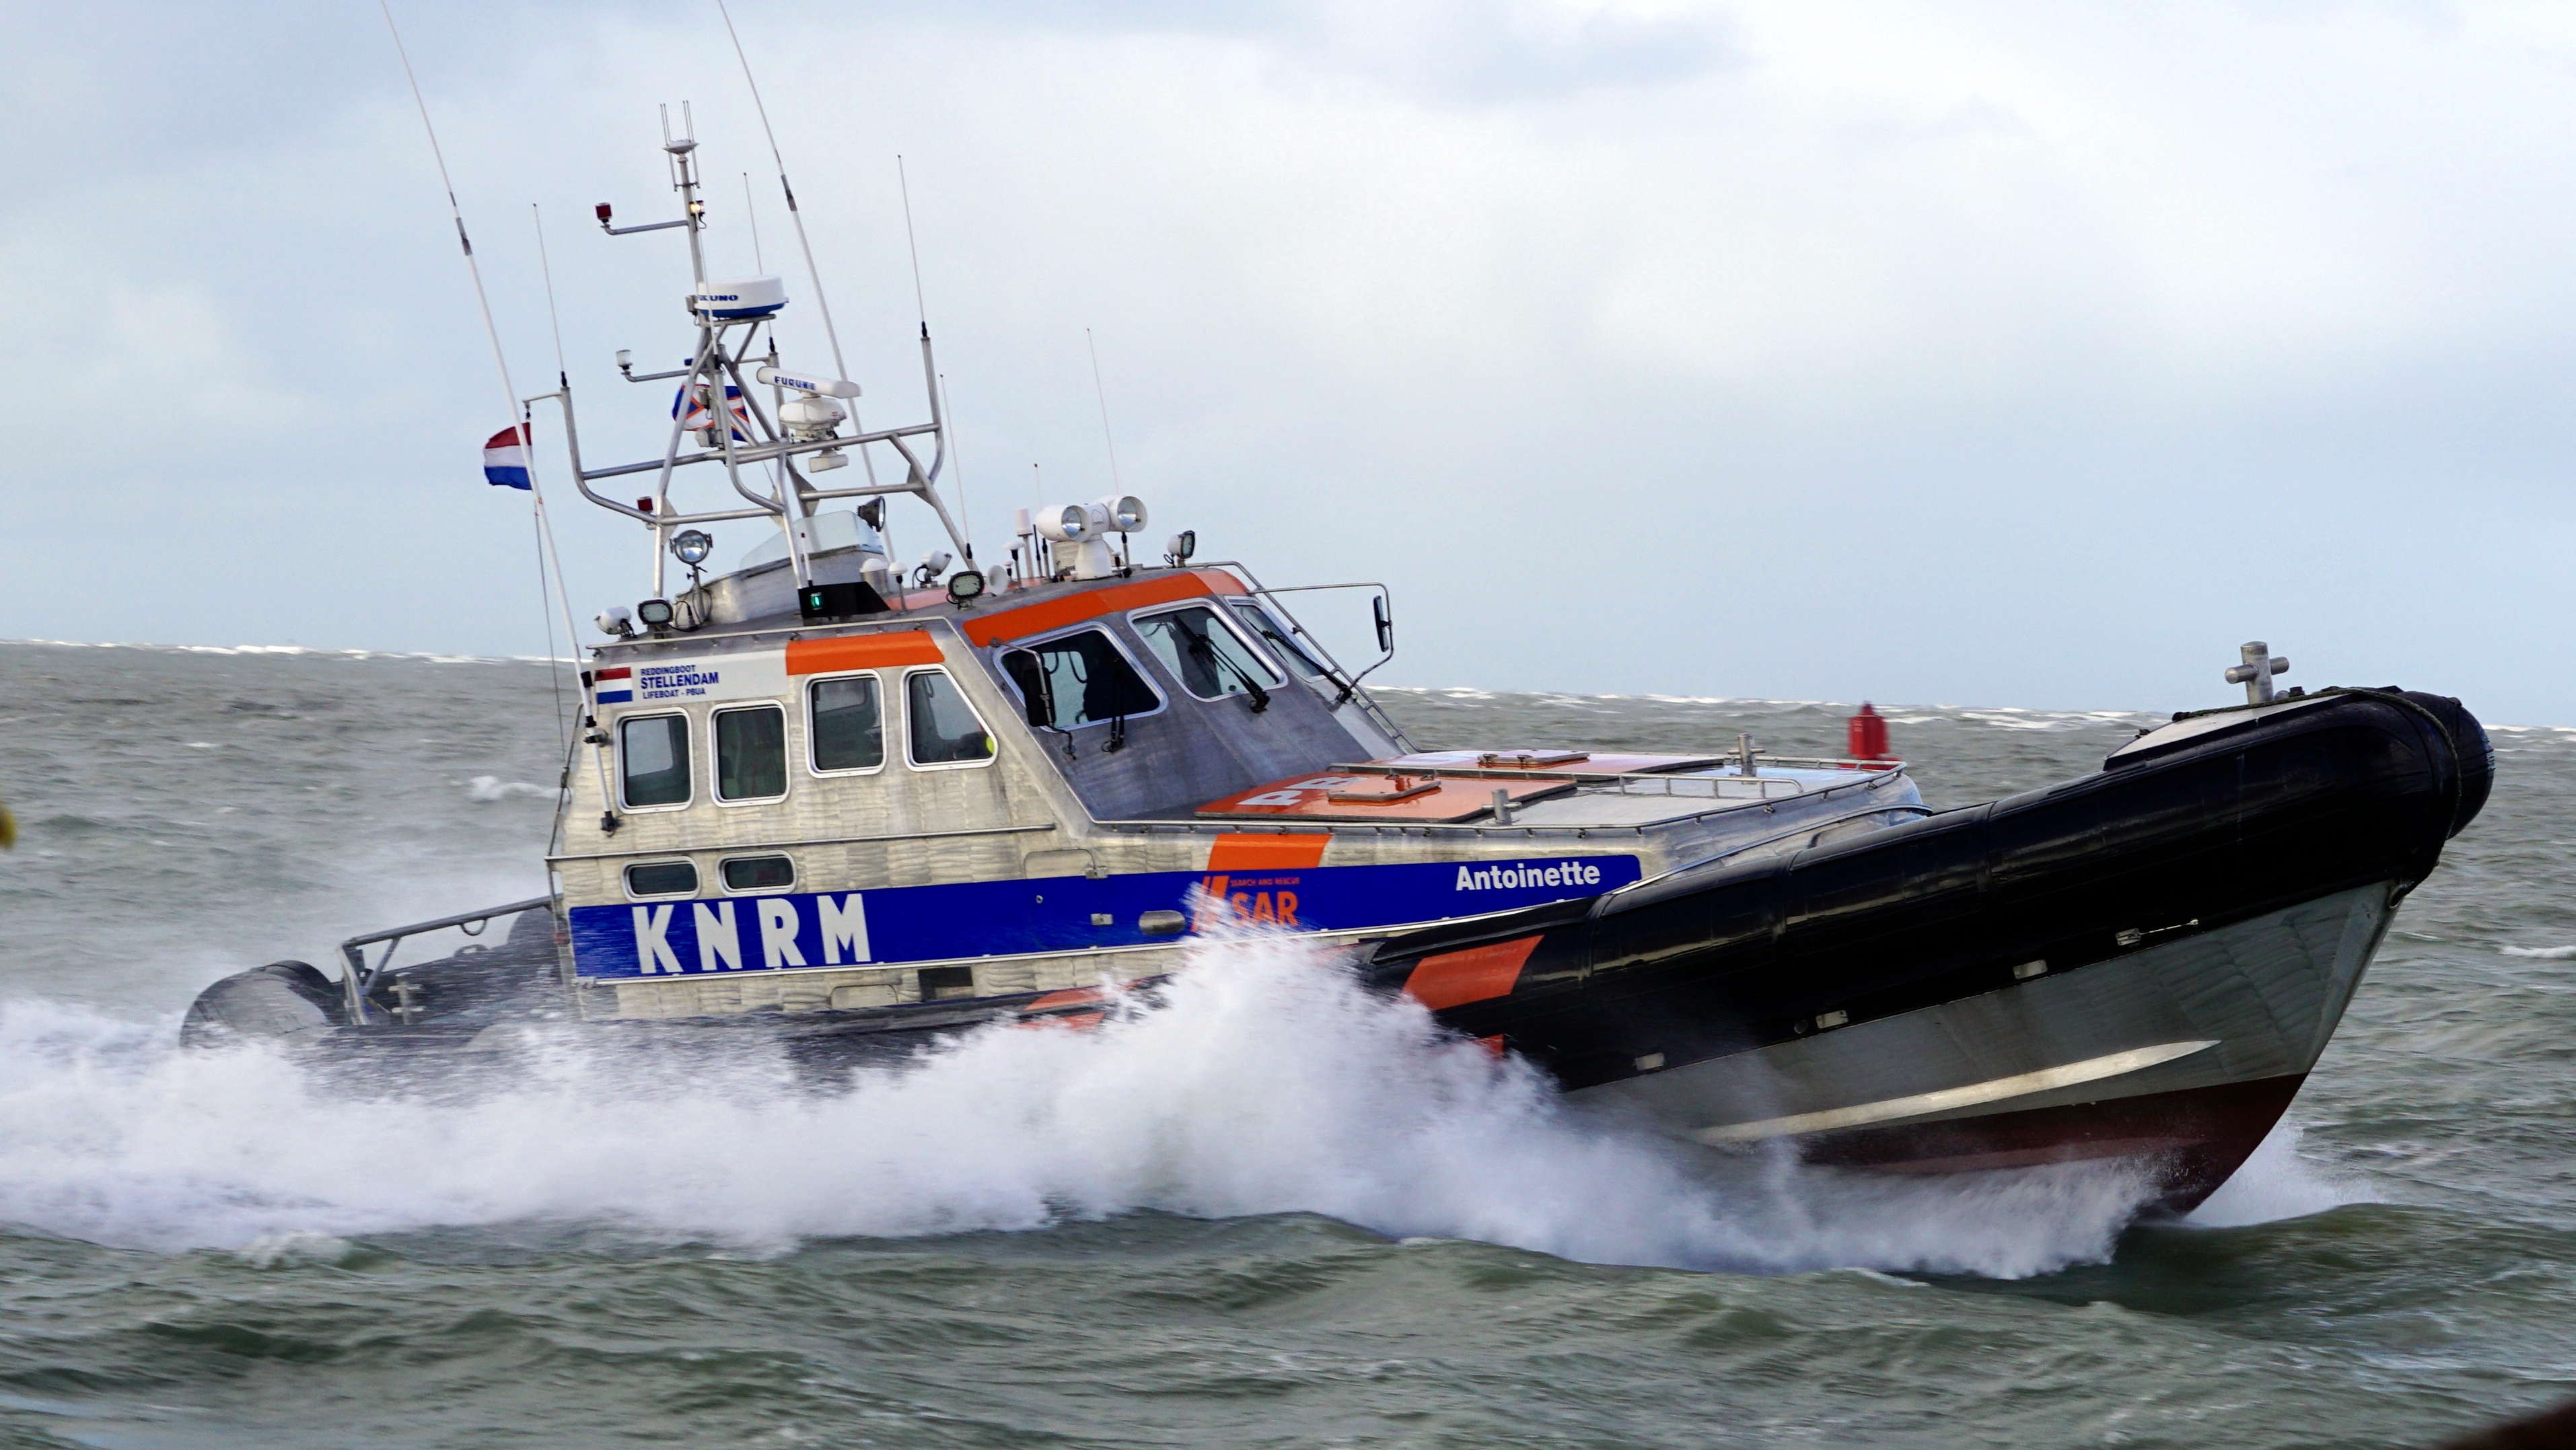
[357, 978]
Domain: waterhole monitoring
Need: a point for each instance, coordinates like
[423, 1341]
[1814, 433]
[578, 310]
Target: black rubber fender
[280, 1001]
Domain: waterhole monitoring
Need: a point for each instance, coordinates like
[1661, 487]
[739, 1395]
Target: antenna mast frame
[792, 495]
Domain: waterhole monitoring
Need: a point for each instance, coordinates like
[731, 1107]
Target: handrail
[1337, 671]
[359, 977]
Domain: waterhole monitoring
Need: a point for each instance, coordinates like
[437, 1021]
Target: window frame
[686, 754]
[697, 880]
[1280, 678]
[729, 889]
[715, 763]
[1011, 687]
[989, 733]
[885, 757]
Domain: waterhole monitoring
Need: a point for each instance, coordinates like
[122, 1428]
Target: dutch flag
[505, 461]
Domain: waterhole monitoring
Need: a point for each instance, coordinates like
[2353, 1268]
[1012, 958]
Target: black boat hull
[2142, 963]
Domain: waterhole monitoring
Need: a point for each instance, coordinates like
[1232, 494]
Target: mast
[727, 316]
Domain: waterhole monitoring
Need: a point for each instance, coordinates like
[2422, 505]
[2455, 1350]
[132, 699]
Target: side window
[942, 727]
[1209, 660]
[759, 873]
[653, 759]
[662, 878]
[844, 730]
[751, 754]
[1078, 679]
[1262, 624]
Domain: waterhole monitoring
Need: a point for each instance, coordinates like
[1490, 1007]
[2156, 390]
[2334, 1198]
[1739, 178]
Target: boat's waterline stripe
[1994, 1090]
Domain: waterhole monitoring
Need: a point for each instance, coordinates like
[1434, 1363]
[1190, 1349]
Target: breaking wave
[1264, 1081]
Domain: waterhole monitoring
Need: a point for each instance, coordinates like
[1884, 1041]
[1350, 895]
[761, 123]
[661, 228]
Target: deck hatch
[1367, 798]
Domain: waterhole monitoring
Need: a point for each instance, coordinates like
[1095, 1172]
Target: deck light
[655, 613]
[963, 585]
[1068, 523]
[691, 547]
[1182, 546]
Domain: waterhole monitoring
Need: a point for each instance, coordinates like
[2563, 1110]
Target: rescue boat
[848, 804]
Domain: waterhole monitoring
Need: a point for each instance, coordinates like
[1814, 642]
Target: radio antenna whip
[920, 309]
[921, 314]
[1103, 394]
[554, 319]
[957, 456]
[822, 304]
[500, 361]
[563, 380]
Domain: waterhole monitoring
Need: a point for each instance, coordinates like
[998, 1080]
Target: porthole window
[662, 878]
[1078, 679]
[941, 728]
[653, 760]
[844, 730]
[751, 754]
[1210, 660]
[759, 873]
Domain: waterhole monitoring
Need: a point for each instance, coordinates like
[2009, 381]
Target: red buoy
[1868, 739]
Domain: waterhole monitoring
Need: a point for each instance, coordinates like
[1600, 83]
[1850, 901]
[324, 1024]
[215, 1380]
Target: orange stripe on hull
[1243, 851]
[1451, 979]
[1092, 603]
[861, 652]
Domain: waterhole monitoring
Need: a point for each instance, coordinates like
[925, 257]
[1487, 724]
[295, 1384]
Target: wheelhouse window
[661, 878]
[941, 727]
[845, 731]
[751, 754]
[759, 873]
[1210, 660]
[653, 760]
[1268, 630]
[1078, 679]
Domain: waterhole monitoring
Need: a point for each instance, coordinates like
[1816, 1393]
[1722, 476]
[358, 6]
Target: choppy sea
[1269, 1212]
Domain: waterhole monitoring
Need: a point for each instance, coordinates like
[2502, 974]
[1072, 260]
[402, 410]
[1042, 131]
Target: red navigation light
[645, 505]
[602, 209]
[1868, 737]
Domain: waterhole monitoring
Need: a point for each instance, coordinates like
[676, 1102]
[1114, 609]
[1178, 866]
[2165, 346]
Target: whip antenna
[563, 380]
[822, 304]
[500, 361]
[920, 309]
[957, 456]
[1103, 394]
[921, 314]
[546, 268]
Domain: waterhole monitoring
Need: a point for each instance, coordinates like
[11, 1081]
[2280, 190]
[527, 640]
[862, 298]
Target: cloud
[1974, 352]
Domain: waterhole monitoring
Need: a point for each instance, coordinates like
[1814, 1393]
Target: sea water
[1264, 1209]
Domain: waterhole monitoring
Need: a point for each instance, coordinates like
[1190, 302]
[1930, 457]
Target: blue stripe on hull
[1054, 914]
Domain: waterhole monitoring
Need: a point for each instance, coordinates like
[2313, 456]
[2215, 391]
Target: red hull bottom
[2195, 1138]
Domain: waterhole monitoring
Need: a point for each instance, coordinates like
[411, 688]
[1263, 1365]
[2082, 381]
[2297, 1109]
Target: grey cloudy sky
[2010, 354]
